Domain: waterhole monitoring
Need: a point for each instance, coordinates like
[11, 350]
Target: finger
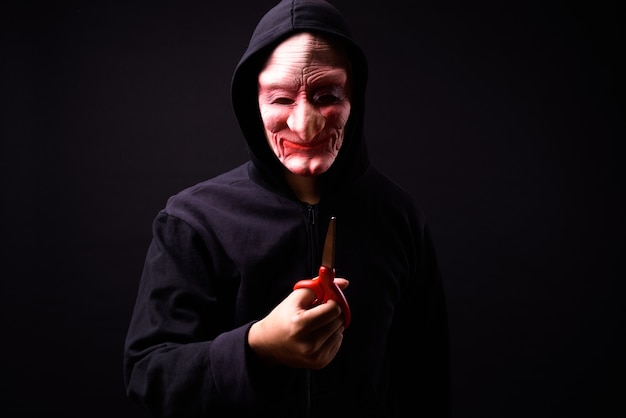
[321, 315]
[305, 297]
[330, 346]
[341, 282]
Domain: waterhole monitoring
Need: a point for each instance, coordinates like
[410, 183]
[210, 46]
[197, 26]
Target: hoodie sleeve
[425, 360]
[177, 361]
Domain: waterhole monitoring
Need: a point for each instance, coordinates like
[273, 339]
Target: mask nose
[305, 120]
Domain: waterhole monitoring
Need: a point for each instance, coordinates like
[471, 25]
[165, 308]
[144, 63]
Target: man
[218, 329]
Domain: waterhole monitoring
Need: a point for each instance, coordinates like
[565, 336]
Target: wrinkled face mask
[304, 102]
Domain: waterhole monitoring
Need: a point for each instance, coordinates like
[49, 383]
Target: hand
[297, 334]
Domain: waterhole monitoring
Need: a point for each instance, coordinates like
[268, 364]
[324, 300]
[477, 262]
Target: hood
[283, 20]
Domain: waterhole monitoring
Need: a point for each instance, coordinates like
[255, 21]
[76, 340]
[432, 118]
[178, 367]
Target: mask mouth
[322, 141]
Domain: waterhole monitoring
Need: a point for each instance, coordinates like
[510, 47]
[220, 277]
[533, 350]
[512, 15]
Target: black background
[503, 118]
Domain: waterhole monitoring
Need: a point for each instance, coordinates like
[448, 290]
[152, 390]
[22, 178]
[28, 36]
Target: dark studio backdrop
[502, 118]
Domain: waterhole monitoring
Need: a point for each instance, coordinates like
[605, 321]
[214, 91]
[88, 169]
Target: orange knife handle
[327, 282]
[325, 289]
[315, 286]
[337, 295]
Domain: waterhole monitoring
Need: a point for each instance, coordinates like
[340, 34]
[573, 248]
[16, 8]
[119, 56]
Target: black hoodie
[227, 250]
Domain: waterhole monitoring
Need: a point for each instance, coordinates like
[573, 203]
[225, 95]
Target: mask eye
[282, 101]
[329, 96]
[327, 99]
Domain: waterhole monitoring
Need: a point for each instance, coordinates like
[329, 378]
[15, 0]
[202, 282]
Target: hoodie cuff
[239, 376]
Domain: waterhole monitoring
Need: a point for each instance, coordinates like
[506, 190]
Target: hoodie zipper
[312, 214]
[312, 218]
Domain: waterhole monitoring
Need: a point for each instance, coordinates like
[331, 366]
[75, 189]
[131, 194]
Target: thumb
[341, 282]
[304, 296]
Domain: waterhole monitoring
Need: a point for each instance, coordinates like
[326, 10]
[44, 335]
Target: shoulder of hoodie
[215, 191]
[376, 186]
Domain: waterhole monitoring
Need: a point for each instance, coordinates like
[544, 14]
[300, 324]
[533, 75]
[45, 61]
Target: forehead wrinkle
[304, 60]
[305, 49]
